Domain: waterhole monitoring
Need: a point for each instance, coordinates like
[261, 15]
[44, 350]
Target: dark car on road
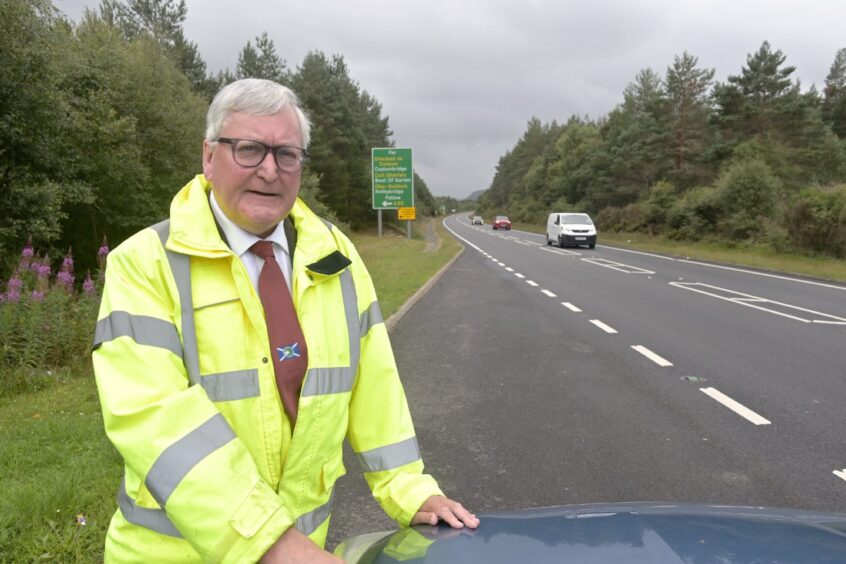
[657, 533]
[502, 222]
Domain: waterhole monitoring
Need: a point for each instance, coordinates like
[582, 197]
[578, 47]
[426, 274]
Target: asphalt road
[541, 376]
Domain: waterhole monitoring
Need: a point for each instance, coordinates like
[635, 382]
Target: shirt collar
[240, 240]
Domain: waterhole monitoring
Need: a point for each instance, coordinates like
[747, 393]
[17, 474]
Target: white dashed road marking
[558, 251]
[652, 356]
[603, 326]
[531, 283]
[571, 307]
[518, 275]
[509, 269]
[840, 473]
[548, 293]
[741, 410]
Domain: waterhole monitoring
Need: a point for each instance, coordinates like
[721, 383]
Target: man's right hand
[296, 548]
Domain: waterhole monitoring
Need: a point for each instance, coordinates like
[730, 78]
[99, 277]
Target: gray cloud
[460, 79]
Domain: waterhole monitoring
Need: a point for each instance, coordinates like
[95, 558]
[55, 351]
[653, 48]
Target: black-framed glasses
[250, 154]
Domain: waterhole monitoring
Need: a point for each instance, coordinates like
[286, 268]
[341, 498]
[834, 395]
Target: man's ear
[208, 152]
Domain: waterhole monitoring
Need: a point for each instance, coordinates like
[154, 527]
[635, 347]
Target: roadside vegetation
[756, 162]
[106, 117]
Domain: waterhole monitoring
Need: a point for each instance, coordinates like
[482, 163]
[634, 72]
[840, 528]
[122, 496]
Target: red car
[502, 222]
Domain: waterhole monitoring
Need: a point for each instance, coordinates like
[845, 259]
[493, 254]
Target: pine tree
[834, 103]
[162, 21]
[261, 61]
[689, 106]
[757, 100]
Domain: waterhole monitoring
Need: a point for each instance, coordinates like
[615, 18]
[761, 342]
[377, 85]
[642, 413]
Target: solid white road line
[603, 326]
[571, 307]
[548, 293]
[652, 356]
[531, 283]
[749, 300]
[840, 473]
[518, 275]
[741, 410]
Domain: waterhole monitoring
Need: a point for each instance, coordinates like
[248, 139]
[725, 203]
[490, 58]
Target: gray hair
[255, 97]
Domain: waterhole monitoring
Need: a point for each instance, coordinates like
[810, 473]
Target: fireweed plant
[46, 321]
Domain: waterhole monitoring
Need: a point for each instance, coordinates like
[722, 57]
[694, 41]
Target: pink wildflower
[15, 283]
[102, 252]
[26, 253]
[88, 284]
[37, 295]
[64, 279]
[13, 296]
[43, 269]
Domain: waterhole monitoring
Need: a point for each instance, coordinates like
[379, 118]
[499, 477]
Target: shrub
[748, 191]
[816, 220]
[656, 204]
[45, 322]
[696, 215]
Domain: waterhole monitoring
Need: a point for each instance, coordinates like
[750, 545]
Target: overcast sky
[460, 79]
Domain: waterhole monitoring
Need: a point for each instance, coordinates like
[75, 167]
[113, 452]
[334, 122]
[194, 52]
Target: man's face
[255, 199]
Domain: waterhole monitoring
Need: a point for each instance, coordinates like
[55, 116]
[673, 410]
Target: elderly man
[238, 344]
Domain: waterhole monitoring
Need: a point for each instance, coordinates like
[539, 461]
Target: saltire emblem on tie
[288, 351]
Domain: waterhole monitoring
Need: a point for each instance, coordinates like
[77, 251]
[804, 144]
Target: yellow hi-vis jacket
[189, 397]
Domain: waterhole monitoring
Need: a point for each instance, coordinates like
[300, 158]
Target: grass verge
[399, 266]
[57, 463]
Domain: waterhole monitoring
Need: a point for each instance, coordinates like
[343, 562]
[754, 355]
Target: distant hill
[475, 195]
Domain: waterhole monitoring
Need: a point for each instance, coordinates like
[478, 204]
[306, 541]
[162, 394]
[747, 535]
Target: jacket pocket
[255, 511]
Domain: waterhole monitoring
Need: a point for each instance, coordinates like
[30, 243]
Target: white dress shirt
[240, 242]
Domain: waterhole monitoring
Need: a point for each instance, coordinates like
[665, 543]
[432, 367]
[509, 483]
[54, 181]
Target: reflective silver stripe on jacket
[230, 386]
[180, 267]
[142, 329]
[370, 317]
[179, 458]
[389, 457]
[311, 521]
[339, 379]
[351, 310]
[153, 519]
[321, 381]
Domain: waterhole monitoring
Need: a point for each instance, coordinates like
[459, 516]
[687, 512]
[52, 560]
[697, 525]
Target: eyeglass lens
[250, 153]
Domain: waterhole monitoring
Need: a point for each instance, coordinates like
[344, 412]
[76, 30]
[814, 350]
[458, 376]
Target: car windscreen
[577, 218]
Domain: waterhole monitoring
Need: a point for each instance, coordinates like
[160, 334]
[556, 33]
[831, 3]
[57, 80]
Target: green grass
[56, 464]
[399, 266]
[55, 460]
[754, 256]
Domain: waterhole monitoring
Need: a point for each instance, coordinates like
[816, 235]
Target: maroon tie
[287, 344]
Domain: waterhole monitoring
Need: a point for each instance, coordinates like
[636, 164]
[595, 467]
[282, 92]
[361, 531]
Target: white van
[570, 229]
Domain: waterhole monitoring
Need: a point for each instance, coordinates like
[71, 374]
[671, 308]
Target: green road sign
[393, 178]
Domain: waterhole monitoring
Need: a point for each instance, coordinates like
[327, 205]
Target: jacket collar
[193, 231]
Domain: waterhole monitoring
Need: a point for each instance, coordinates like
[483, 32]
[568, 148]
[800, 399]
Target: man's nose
[267, 168]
